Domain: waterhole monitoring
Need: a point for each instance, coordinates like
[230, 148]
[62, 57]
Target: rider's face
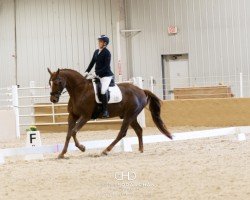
[101, 44]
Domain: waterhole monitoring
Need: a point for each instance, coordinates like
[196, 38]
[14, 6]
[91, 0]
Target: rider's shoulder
[106, 50]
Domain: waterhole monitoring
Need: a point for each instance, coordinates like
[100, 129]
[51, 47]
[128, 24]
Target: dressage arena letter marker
[33, 140]
[32, 136]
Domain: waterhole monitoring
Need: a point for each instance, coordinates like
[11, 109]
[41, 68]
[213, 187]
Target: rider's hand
[85, 74]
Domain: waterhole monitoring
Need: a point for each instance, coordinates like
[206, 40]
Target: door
[176, 73]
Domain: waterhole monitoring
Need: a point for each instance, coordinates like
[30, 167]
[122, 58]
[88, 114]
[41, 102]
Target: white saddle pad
[115, 94]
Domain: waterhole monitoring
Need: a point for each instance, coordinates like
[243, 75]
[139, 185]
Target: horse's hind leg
[122, 133]
[138, 130]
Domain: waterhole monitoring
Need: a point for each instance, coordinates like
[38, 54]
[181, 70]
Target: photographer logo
[129, 176]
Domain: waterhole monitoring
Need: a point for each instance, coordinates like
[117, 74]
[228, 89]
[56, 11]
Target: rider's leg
[105, 81]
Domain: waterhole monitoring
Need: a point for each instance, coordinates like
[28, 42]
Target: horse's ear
[49, 71]
[57, 72]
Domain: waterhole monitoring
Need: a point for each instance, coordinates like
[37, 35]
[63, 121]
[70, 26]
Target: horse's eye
[58, 81]
[55, 82]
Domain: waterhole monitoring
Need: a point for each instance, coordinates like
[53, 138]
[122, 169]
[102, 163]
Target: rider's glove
[85, 74]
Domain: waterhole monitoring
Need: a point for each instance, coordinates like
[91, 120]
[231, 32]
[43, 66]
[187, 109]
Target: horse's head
[57, 84]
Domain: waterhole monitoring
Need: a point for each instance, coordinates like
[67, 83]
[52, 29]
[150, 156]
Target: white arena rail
[9, 100]
[126, 143]
[238, 83]
[6, 98]
[22, 100]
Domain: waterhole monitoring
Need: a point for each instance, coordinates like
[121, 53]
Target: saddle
[114, 92]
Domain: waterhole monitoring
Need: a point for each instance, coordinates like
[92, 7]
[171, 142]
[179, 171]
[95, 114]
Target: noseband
[58, 93]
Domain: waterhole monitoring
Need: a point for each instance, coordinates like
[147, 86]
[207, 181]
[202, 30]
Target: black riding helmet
[104, 38]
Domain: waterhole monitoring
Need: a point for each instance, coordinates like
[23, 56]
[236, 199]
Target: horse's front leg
[71, 125]
[79, 124]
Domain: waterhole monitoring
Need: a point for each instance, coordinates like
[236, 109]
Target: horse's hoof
[82, 148]
[104, 153]
[61, 156]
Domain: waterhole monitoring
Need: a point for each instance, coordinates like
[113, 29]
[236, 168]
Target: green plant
[31, 128]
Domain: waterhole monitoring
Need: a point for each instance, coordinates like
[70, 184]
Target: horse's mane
[73, 72]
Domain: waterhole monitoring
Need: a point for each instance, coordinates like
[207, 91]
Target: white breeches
[105, 81]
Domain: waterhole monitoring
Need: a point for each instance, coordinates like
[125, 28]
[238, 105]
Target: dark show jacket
[101, 62]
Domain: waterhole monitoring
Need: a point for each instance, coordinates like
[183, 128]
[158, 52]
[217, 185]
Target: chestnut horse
[82, 105]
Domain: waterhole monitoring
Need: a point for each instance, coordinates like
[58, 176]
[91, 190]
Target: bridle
[60, 91]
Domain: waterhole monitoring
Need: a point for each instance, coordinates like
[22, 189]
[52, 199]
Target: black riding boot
[105, 113]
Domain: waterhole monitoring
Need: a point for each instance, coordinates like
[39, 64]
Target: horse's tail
[155, 109]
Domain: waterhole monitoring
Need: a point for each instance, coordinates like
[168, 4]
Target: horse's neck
[74, 83]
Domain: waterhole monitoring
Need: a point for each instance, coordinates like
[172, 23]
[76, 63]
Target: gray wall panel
[61, 33]
[7, 43]
[215, 34]
[52, 33]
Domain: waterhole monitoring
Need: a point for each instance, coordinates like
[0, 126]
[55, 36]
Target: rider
[101, 59]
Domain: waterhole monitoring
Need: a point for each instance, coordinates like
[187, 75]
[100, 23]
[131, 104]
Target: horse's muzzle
[54, 99]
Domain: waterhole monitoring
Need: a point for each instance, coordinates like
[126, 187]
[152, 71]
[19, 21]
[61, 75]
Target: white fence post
[241, 85]
[152, 84]
[141, 117]
[120, 78]
[32, 91]
[32, 100]
[15, 108]
[53, 113]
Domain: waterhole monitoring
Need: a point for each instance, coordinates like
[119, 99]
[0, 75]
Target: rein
[58, 93]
